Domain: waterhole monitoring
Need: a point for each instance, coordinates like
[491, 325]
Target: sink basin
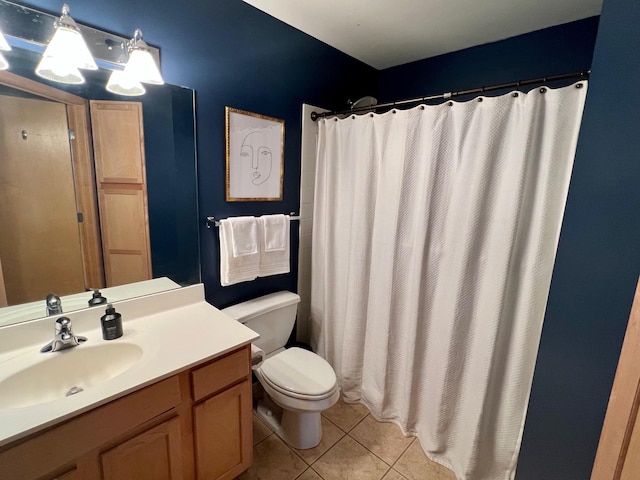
[67, 372]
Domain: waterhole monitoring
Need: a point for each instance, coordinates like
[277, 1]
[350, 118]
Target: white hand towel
[276, 261]
[276, 233]
[235, 269]
[244, 234]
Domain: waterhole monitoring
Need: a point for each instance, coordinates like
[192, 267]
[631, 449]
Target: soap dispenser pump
[97, 299]
[111, 323]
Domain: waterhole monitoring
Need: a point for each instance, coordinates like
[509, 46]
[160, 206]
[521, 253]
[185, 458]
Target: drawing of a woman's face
[258, 156]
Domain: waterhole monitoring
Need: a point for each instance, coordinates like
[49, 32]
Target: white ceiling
[385, 33]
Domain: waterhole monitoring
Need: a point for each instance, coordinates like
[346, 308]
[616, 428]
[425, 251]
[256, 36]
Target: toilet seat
[299, 373]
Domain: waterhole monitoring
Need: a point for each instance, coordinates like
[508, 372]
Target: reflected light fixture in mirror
[59, 70]
[121, 83]
[66, 53]
[140, 68]
[4, 46]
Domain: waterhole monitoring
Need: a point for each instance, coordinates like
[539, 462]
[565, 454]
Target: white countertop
[176, 330]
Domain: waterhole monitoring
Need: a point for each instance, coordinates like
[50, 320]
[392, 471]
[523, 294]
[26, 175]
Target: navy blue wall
[597, 264]
[234, 55]
[552, 51]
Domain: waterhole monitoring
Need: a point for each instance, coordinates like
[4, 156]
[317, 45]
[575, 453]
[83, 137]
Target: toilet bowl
[298, 384]
[302, 385]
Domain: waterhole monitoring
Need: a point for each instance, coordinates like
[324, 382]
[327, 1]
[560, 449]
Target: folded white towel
[244, 235]
[276, 232]
[235, 269]
[273, 262]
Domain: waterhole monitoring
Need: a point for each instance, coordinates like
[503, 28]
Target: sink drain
[73, 391]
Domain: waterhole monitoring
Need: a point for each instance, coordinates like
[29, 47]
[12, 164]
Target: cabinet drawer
[220, 373]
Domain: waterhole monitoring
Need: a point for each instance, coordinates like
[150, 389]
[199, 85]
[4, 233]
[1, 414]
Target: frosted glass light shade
[141, 64]
[142, 67]
[4, 45]
[3, 62]
[67, 45]
[59, 70]
[66, 53]
[122, 84]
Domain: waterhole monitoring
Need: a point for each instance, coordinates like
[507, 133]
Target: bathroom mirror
[170, 156]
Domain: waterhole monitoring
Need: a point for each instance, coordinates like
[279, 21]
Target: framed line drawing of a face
[254, 155]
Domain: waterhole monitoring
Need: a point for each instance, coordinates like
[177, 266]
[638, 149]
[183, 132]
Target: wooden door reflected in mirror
[37, 243]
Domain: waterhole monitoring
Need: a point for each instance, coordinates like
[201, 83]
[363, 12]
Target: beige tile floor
[354, 446]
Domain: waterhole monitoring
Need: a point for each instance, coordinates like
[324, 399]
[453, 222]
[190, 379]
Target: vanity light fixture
[66, 53]
[141, 64]
[141, 67]
[4, 46]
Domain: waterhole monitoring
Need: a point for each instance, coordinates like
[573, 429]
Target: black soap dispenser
[111, 323]
[97, 299]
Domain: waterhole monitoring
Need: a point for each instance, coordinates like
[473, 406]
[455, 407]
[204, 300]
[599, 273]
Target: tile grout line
[403, 452]
[344, 434]
[255, 445]
[392, 464]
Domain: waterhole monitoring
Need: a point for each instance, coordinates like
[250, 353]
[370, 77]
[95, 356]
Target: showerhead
[363, 102]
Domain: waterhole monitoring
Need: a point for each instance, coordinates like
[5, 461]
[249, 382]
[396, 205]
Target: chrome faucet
[64, 337]
[54, 304]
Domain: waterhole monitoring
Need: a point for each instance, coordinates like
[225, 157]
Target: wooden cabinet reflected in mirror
[118, 142]
[49, 197]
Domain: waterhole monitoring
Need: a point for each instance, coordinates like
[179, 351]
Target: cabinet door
[118, 142]
[125, 234]
[152, 455]
[223, 434]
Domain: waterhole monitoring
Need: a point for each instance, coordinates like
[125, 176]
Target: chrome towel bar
[212, 222]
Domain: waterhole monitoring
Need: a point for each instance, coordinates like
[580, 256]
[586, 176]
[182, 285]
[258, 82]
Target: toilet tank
[272, 316]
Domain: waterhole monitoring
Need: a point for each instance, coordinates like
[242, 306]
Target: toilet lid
[299, 371]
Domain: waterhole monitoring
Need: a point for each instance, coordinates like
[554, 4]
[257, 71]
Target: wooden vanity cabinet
[194, 425]
[155, 454]
[223, 410]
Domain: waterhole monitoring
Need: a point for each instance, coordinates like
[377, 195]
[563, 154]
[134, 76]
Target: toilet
[298, 384]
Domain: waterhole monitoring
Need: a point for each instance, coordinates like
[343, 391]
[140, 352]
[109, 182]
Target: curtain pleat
[434, 238]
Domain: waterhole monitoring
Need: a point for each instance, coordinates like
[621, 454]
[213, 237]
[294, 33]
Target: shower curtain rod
[445, 96]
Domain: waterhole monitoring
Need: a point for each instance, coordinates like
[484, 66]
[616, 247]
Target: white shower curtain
[434, 237]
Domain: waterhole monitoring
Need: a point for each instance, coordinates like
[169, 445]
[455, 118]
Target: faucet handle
[54, 304]
[63, 323]
[64, 337]
[63, 328]
[53, 299]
